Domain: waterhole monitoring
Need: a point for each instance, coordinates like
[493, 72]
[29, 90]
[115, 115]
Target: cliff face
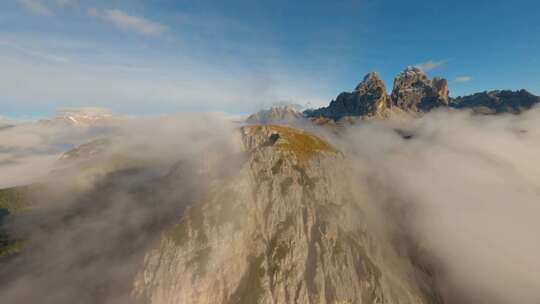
[414, 91]
[368, 99]
[289, 227]
[415, 94]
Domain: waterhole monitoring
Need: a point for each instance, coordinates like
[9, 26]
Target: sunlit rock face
[414, 95]
[276, 114]
[290, 226]
[414, 91]
[368, 99]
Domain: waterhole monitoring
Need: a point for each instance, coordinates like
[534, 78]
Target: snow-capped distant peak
[80, 117]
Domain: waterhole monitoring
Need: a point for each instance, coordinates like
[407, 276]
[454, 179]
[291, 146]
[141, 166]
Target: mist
[29, 150]
[466, 189]
[461, 190]
[85, 244]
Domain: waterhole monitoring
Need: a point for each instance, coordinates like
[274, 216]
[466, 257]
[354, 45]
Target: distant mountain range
[79, 117]
[281, 217]
[413, 93]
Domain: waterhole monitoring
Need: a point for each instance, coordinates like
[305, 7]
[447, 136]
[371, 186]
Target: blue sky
[237, 56]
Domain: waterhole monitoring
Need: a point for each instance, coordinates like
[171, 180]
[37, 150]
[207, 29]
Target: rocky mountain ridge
[287, 228]
[414, 93]
[495, 102]
[276, 114]
[368, 99]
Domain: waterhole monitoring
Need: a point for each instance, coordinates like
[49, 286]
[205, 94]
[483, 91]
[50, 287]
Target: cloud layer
[88, 243]
[467, 189]
[463, 78]
[125, 21]
[65, 79]
[464, 188]
[430, 65]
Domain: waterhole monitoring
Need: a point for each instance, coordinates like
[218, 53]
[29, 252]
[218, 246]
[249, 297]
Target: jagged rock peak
[440, 87]
[414, 94]
[371, 80]
[413, 70]
[369, 99]
[414, 91]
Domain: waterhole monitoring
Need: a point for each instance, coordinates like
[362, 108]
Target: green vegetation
[12, 202]
[303, 145]
[9, 246]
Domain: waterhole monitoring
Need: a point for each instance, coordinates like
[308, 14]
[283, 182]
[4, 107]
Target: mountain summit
[278, 113]
[369, 98]
[414, 93]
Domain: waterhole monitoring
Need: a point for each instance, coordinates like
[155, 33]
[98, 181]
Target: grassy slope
[303, 145]
[12, 202]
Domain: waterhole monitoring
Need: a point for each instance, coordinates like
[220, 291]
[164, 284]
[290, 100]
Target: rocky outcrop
[88, 150]
[276, 114]
[414, 91]
[415, 94]
[495, 102]
[289, 227]
[368, 99]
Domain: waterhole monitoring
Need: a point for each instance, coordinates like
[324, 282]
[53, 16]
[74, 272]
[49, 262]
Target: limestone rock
[276, 114]
[413, 95]
[414, 91]
[289, 227]
[368, 99]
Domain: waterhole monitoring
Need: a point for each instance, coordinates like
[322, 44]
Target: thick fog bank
[459, 192]
[466, 188]
[85, 244]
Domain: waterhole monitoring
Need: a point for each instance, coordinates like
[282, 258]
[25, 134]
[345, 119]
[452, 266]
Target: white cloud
[468, 186]
[125, 21]
[463, 79]
[36, 7]
[430, 65]
[52, 73]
